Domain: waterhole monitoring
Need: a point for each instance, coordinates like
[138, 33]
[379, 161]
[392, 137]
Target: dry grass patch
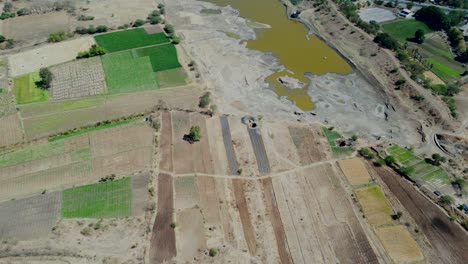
[376, 207]
[399, 244]
[355, 171]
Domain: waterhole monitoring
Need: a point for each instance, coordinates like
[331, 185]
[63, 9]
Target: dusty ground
[48, 55]
[399, 244]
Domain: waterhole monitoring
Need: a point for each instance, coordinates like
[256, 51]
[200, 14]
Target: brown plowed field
[201, 155]
[182, 150]
[447, 238]
[318, 218]
[241, 203]
[163, 243]
[275, 218]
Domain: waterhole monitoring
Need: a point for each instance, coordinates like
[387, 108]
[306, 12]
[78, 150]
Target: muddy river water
[288, 40]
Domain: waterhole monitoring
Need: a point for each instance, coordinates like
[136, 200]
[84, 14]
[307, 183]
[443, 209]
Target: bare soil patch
[10, 130]
[242, 147]
[48, 55]
[29, 218]
[308, 142]
[35, 26]
[186, 193]
[190, 234]
[447, 238]
[281, 150]
[355, 171]
[434, 78]
[163, 241]
[166, 142]
[79, 78]
[140, 194]
[182, 149]
[399, 244]
[201, 154]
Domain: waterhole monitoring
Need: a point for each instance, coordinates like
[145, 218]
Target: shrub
[81, 30]
[101, 28]
[366, 153]
[213, 252]
[85, 18]
[406, 171]
[155, 20]
[138, 23]
[160, 6]
[389, 160]
[447, 199]
[205, 100]
[2, 39]
[6, 15]
[95, 50]
[86, 231]
[57, 36]
[397, 215]
[23, 12]
[379, 163]
[91, 30]
[175, 40]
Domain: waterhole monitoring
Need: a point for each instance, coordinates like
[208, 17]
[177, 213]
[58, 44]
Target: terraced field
[421, 170]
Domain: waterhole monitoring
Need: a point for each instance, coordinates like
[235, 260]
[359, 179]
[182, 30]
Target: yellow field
[375, 206]
[355, 171]
[399, 244]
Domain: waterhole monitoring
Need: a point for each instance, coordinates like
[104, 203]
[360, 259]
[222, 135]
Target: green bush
[6, 15]
[195, 133]
[2, 39]
[23, 12]
[175, 40]
[386, 41]
[101, 28]
[205, 100]
[213, 252]
[366, 153]
[138, 23]
[93, 51]
[57, 36]
[169, 28]
[46, 78]
[85, 18]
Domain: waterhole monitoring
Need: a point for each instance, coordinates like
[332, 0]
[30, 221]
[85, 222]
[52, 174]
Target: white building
[406, 13]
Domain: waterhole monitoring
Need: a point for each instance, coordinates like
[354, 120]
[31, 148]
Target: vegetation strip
[95, 128]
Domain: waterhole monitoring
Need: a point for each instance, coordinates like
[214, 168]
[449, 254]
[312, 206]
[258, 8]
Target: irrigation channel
[290, 41]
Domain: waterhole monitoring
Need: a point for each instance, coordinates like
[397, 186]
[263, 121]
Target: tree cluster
[91, 29]
[387, 41]
[436, 19]
[93, 51]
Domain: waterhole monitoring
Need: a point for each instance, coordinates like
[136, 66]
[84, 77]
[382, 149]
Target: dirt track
[163, 244]
[447, 238]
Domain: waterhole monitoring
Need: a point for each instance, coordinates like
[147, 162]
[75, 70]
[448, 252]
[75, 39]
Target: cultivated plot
[29, 218]
[100, 200]
[76, 160]
[76, 79]
[27, 91]
[375, 206]
[171, 78]
[129, 39]
[399, 244]
[126, 74]
[162, 57]
[355, 171]
[11, 130]
[308, 142]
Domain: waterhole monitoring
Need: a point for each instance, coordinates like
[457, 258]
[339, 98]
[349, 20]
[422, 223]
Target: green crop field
[171, 78]
[163, 57]
[126, 74]
[31, 153]
[445, 72]
[100, 200]
[129, 39]
[26, 90]
[405, 28]
[420, 168]
[338, 151]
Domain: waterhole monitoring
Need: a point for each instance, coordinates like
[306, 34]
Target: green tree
[169, 28]
[419, 36]
[46, 78]
[2, 39]
[455, 17]
[195, 133]
[175, 40]
[390, 160]
[386, 41]
[366, 153]
[437, 159]
[213, 252]
[23, 12]
[155, 20]
[433, 17]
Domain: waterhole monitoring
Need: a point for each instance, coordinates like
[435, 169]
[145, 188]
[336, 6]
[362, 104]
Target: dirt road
[447, 238]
